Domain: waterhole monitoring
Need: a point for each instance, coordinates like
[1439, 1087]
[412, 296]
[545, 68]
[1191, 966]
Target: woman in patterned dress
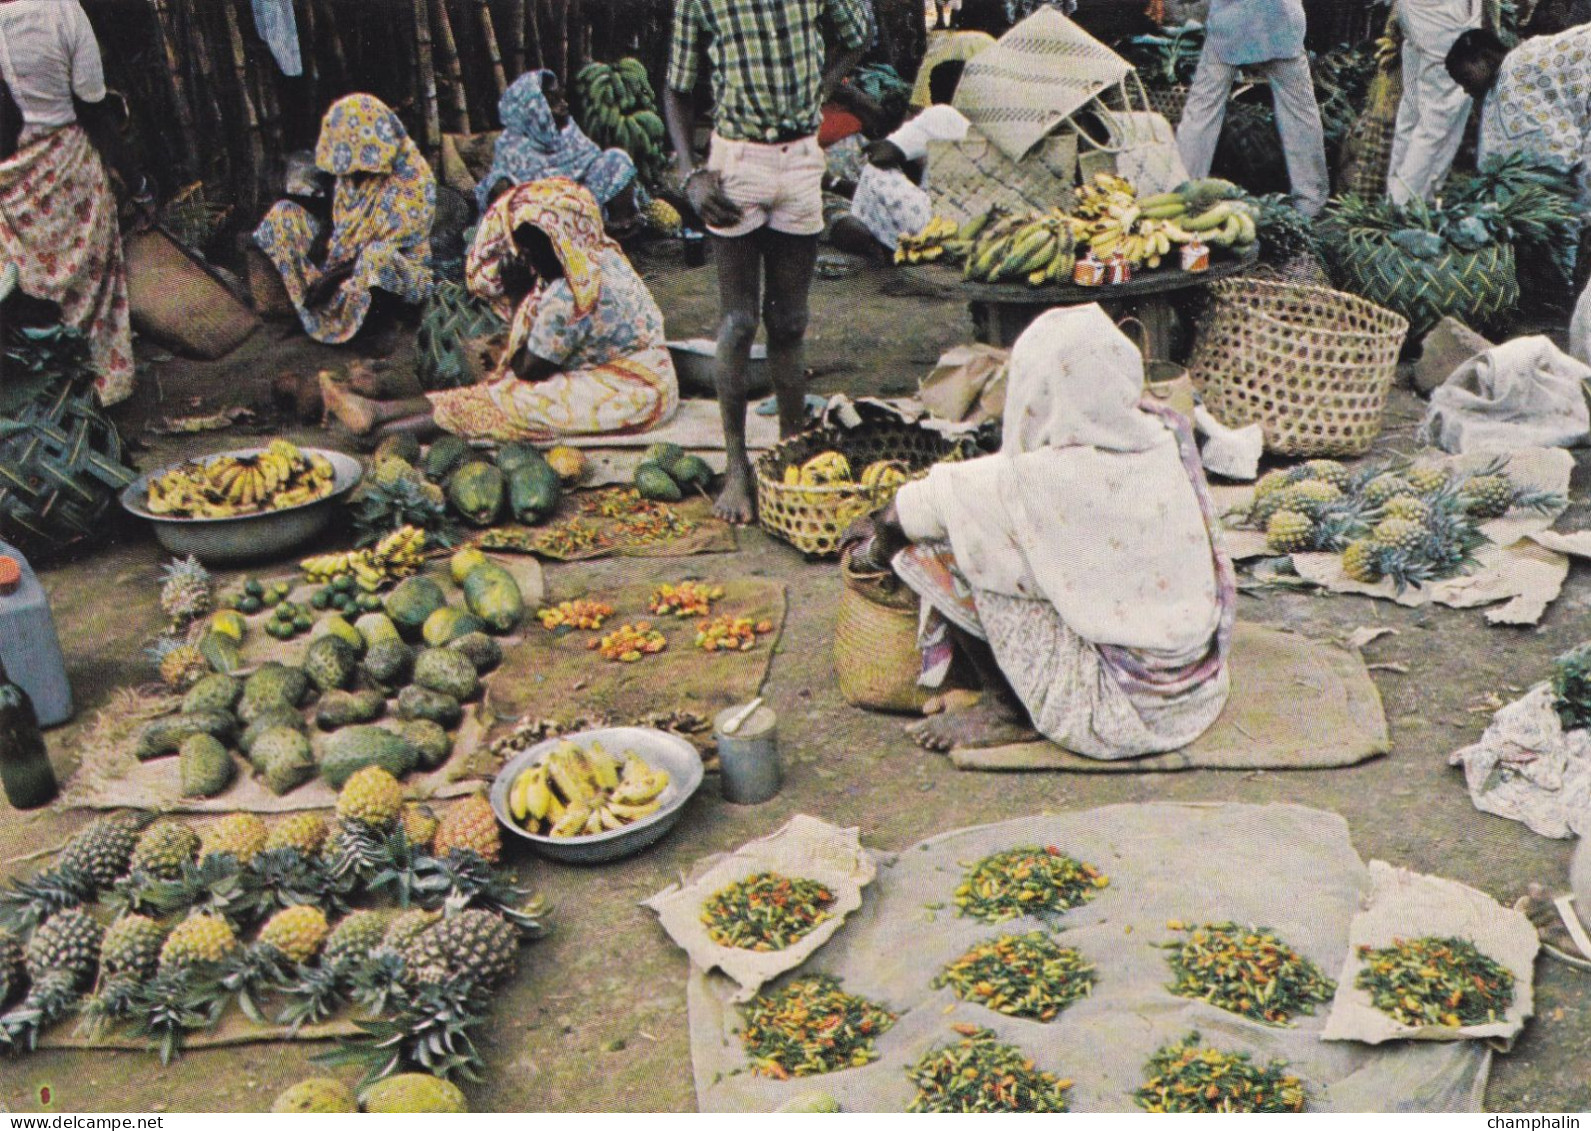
[1077, 569]
[378, 241]
[586, 351]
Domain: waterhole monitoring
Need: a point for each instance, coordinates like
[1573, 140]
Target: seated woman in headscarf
[1076, 570]
[374, 253]
[541, 140]
[586, 351]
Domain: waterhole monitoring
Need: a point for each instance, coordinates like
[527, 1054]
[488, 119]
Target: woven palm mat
[110, 777]
[557, 681]
[1261, 728]
[708, 534]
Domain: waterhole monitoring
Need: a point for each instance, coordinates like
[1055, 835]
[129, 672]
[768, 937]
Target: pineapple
[1273, 481]
[1429, 479]
[297, 932]
[181, 665]
[132, 947]
[1407, 507]
[663, 217]
[102, 852]
[1328, 471]
[1399, 534]
[1385, 487]
[470, 825]
[355, 937]
[372, 796]
[406, 927]
[198, 938]
[1289, 532]
[474, 945]
[186, 592]
[304, 833]
[164, 848]
[1309, 497]
[66, 944]
[419, 824]
[241, 835]
[1488, 496]
[10, 964]
[1361, 561]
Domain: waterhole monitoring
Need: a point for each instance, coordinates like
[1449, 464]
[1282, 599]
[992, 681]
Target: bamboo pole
[517, 25]
[332, 38]
[310, 41]
[536, 55]
[448, 58]
[494, 55]
[218, 137]
[181, 107]
[562, 55]
[426, 66]
[249, 191]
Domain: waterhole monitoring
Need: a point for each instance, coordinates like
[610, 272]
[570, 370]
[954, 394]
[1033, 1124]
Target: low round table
[1001, 311]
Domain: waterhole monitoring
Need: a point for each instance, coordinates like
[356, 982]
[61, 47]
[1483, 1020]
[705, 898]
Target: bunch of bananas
[283, 475]
[1212, 209]
[400, 554]
[1036, 246]
[581, 791]
[941, 238]
[823, 470]
[617, 108]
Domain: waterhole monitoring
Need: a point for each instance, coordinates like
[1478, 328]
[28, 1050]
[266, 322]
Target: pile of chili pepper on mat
[1435, 981]
[1028, 975]
[1026, 881]
[811, 1026]
[982, 1073]
[1185, 1077]
[1245, 970]
[766, 911]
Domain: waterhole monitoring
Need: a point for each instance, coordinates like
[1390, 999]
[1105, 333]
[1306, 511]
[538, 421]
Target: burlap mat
[557, 678]
[1261, 728]
[712, 534]
[110, 777]
[235, 1029]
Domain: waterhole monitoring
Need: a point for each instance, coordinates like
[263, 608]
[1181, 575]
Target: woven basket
[1311, 366]
[812, 519]
[1367, 150]
[966, 178]
[1168, 101]
[1476, 287]
[177, 302]
[875, 643]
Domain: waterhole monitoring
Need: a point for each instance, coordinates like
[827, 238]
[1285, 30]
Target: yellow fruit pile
[629, 642]
[581, 791]
[731, 634]
[574, 614]
[941, 237]
[400, 554]
[687, 599]
[283, 475]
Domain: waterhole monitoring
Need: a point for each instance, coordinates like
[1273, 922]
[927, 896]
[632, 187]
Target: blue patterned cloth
[278, 26]
[533, 148]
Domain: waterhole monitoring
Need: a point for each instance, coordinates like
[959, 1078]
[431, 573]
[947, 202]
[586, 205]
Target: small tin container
[1195, 257]
[1119, 270]
[1089, 272]
[749, 768]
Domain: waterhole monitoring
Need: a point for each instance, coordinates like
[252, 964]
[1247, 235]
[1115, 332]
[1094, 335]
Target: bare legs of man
[766, 278]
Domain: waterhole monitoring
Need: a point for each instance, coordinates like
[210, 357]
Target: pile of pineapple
[1412, 524]
[155, 928]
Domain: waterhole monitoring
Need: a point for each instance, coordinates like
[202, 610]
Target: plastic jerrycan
[29, 646]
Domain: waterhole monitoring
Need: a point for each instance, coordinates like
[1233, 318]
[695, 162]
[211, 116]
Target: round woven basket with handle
[1311, 366]
[875, 642]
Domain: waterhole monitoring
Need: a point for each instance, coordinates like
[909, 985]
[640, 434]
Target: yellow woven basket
[812, 519]
[875, 643]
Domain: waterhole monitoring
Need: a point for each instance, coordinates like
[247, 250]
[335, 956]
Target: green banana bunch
[1037, 247]
[618, 109]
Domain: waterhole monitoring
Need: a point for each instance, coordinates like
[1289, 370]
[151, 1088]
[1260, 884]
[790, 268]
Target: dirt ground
[596, 1020]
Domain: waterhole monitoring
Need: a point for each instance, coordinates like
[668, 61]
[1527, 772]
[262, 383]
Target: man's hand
[705, 191]
[885, 154]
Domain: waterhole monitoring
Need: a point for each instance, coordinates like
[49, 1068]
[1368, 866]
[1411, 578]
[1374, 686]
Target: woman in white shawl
[1076, 569]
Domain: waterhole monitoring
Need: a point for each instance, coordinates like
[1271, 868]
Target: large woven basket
[177, 301]
[1310, 365]
[812, 519]
[1167, 101]
[1476, 287]
[875, 643]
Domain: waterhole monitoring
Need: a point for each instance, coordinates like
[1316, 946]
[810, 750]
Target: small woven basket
[812, 519]
[875, 643]
[1310, 365]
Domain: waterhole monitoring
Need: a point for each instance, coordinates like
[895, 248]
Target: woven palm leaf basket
[1311, 366]
[1476, 287]
[875, 642]
[812, 519]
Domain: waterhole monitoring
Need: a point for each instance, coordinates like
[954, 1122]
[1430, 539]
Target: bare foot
[737, 502]
[956, 699]
[977, 726]
[355, 413]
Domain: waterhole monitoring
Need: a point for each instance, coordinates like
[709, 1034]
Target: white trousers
[1297, 118]
[1430, 127]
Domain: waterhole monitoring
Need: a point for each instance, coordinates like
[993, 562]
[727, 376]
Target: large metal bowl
[658, 749]
[248, 537]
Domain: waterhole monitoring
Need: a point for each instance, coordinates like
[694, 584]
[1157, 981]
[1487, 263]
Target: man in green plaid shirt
[774, 63]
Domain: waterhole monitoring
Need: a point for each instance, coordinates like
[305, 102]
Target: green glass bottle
[24, 764]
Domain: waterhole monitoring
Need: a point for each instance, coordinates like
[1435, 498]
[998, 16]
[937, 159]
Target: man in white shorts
[761, 191]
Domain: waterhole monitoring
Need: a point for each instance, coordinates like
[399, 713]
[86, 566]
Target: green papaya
[511, 457]
[446, 625]
[656, 484]
[493, 595]
[444, 458]
[692, 473]
[221, 653]
[664, 454]
[412, 601]
[422, 703]
[476, 491]
[533, 490]
[335, 625]
[397, 445]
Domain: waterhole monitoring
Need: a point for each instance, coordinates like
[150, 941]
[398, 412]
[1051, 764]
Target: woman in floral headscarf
[540, 140]
[379, 237]
[585, 353]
